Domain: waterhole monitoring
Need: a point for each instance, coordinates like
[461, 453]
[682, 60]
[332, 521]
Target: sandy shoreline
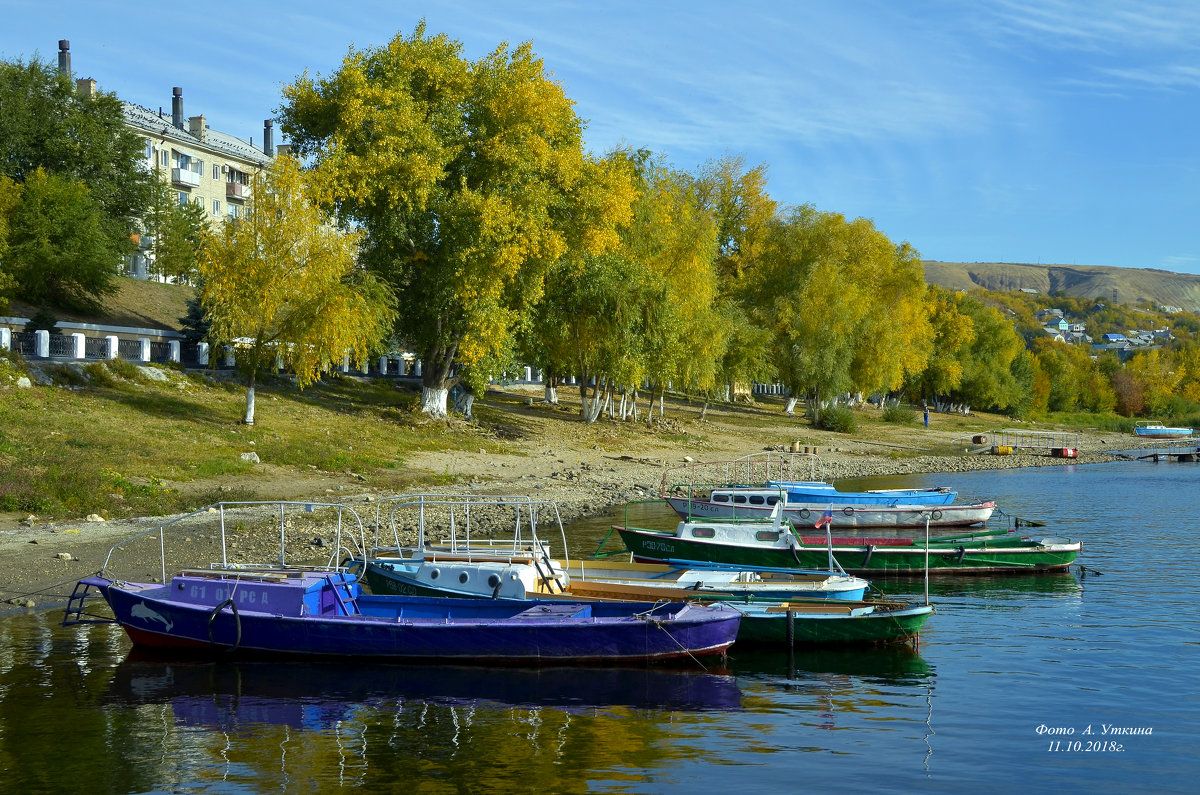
[581, 477]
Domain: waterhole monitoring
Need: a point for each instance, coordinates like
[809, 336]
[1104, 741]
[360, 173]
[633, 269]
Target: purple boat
[321, 611]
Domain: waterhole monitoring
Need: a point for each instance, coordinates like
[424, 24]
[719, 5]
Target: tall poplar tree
[469, 179]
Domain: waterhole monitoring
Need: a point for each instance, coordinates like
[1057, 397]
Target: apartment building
[202, 165]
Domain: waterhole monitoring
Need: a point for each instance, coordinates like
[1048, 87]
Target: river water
[1006, 668]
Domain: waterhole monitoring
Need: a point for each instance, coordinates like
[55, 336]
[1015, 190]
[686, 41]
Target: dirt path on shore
[584, 469]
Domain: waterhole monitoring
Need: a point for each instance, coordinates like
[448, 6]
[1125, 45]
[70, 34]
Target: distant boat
[1156, 430]
[295, 608]
[741, 502]
[777, 545]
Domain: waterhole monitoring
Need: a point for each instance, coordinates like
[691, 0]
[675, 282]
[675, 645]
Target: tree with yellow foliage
[469, 180]
[846, 306]
[283, 285]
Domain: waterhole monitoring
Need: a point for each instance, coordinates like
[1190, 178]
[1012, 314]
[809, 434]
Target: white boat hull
[845, 517]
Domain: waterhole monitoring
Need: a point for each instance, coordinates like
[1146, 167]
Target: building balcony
[236, 190]
[185, 176]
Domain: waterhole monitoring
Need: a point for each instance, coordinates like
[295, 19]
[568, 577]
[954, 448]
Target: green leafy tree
[284, 286]
[57, 253]
[179, 231]
[469, 179]
[988, 380]
[48, 127]
[10, 196]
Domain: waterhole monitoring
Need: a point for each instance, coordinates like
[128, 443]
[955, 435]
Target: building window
[149, 151]
[182, 198]
[162, 158]
[216, 207]
[216, 171]
[234, 211]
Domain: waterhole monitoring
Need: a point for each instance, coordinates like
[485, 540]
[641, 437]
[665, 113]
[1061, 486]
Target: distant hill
[1132, 285]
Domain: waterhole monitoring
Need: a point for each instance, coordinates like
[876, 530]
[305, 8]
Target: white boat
[465, 565]
[740, 502]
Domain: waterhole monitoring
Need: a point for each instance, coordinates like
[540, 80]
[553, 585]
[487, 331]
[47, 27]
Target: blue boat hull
[337, 620]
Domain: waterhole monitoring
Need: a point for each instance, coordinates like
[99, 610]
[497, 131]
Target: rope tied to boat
[660, 623]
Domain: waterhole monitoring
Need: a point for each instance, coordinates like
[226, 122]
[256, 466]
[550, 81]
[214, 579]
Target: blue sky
[1036, 131]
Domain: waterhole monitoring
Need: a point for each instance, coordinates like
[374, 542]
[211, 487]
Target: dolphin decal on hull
[140, 610]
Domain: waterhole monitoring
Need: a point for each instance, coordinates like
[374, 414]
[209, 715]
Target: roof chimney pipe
[177, 107]
[64, 57]
[268, 138]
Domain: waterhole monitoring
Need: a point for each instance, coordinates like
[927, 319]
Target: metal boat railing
[461, 516]
[346, 543]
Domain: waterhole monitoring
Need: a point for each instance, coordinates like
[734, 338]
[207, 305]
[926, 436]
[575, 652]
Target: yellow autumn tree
[845, 304]
[469, 179]
[283, 285]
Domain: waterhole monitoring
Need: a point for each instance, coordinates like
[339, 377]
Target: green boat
[829, 623]
[777, 545]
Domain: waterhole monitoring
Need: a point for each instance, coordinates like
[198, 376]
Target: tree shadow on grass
[184, 408]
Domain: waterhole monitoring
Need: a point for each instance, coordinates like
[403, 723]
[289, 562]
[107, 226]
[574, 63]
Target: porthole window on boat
[433, 575]
[772, 500]
[493, 580]
[740, 499]
[720, 498]
[756, 499]
[703, 532]
[463, 577]
[766, 535]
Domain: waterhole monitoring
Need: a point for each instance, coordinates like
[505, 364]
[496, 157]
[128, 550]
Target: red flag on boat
[825, 518]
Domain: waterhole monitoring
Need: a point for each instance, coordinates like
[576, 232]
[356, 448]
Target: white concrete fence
[79, 347]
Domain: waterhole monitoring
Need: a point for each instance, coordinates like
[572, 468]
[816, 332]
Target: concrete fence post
[173, 349]
[528, 373]
[401, 366]
[202, 354]
[230, 358]
[143, 349]
[113, 351]
[5, 339]
[417, 369]
[383, 365]
[346, 363]
[41, 343]
[78, 346]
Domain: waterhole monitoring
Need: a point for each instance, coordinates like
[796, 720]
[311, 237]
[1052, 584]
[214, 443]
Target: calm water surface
[1000, 658]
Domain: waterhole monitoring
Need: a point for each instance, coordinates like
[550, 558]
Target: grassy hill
[140, 304]
[1131, 285]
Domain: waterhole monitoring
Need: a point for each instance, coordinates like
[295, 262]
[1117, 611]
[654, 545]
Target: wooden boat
[521, 567]
[1156, 430]
[294, 610]
[817, 623]
[742, 502]
[433, 574]
[777, 545]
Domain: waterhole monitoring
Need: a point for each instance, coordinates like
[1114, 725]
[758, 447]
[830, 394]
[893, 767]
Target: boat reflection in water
[314, 695]
[897, 663]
